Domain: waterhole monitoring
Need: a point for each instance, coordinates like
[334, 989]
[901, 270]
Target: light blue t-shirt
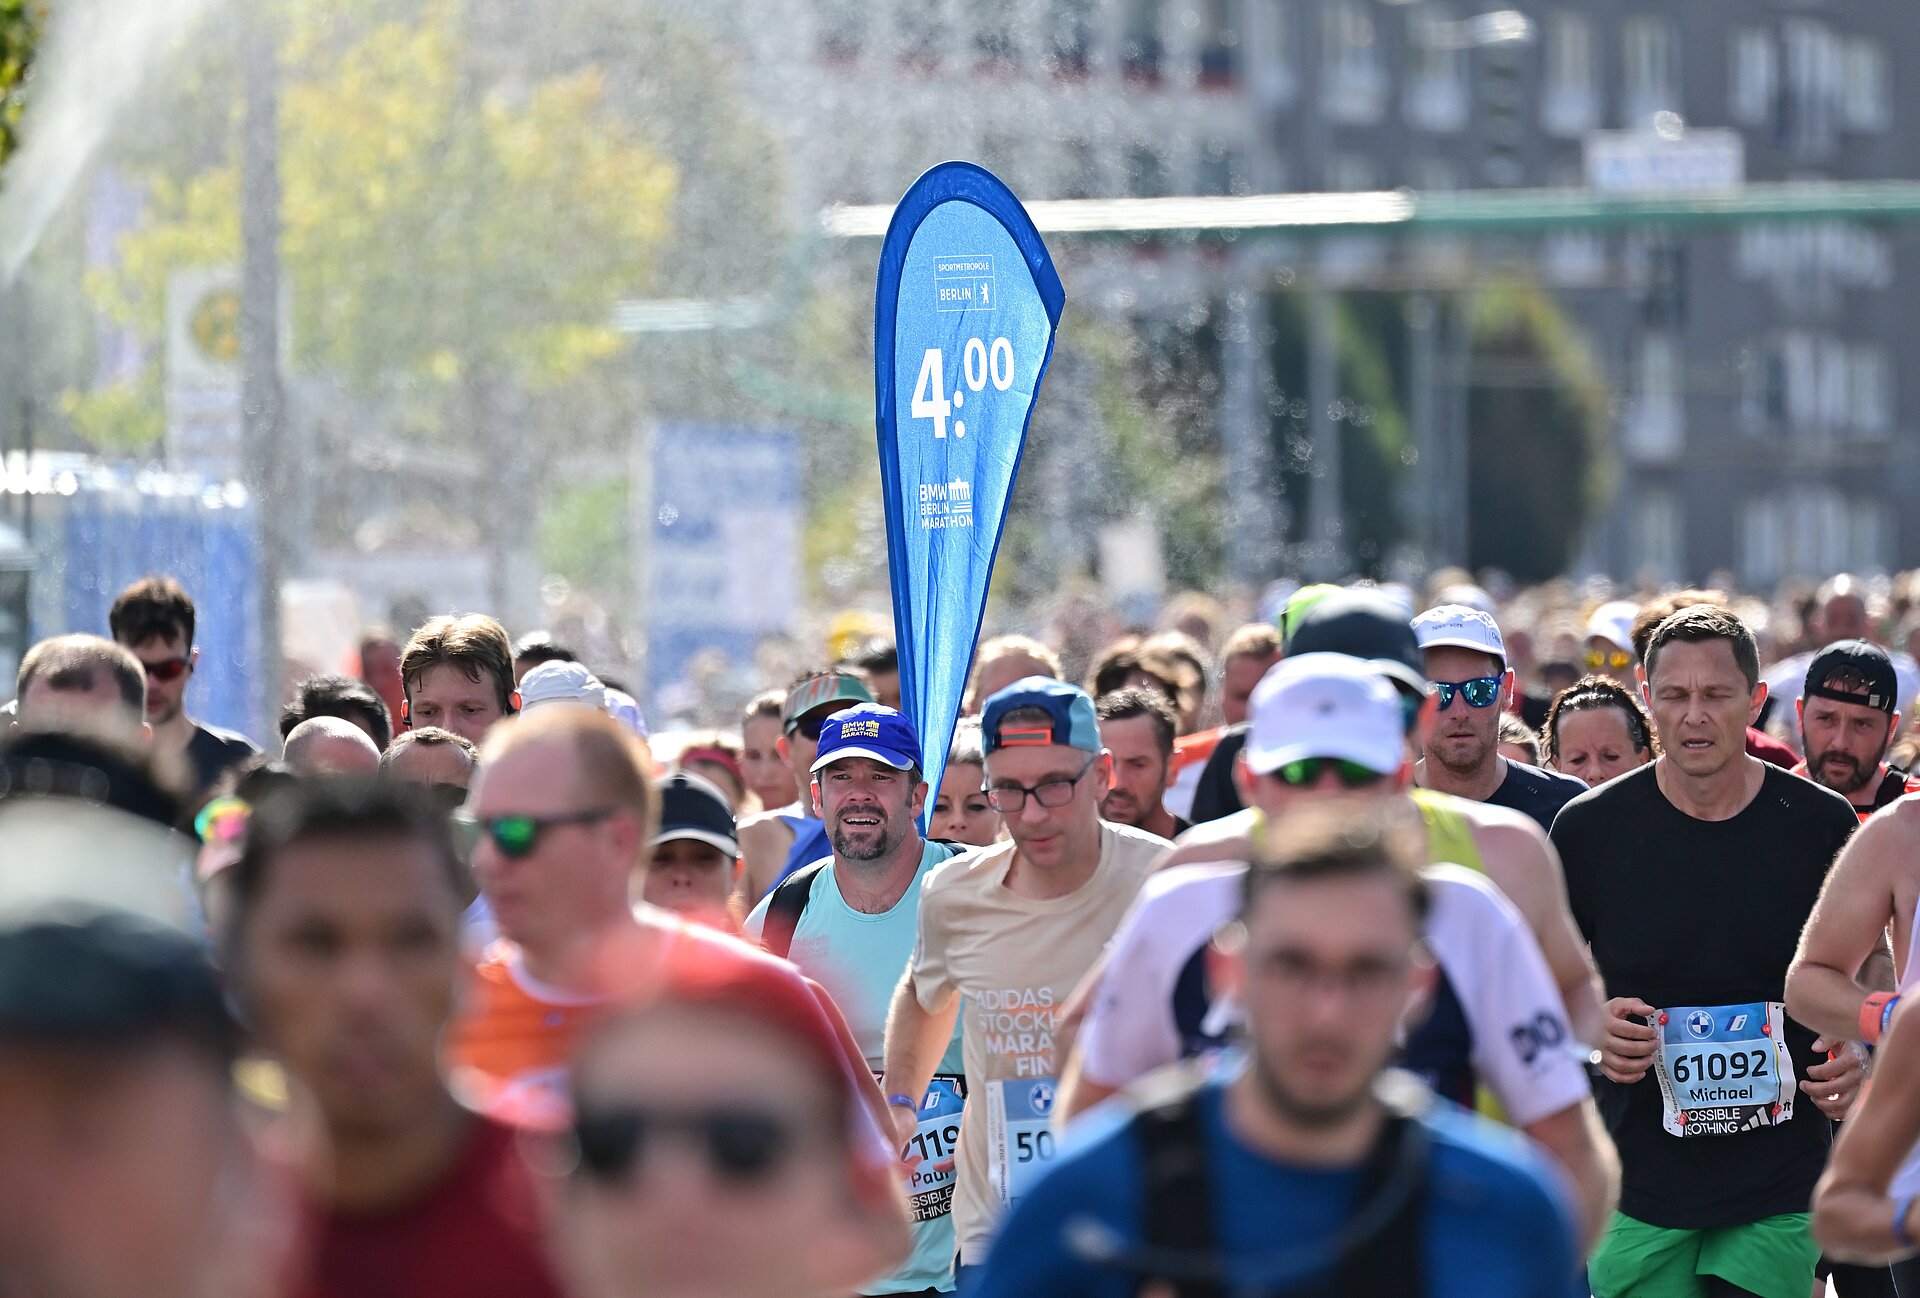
[860, 959]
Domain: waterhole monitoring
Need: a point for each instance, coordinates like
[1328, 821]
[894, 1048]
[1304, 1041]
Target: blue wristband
[1901, 1207]
[903, 1102]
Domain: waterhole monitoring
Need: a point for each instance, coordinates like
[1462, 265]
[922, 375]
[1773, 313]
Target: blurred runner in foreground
[1301, 1169]
[344, 949]
[124, 1169]
[719, 1144]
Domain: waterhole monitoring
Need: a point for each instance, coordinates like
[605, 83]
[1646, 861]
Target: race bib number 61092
[1723, 1069]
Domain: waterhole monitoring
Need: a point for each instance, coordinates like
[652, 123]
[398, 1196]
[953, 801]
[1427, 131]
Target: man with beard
[1466, 661]
[1847, 719]
[849, 923]
[1302, 1169]
[1137, 726]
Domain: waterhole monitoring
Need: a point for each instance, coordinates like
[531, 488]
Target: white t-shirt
[1497, 1016]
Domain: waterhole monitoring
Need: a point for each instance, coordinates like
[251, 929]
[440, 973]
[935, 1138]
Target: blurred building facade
[1759, 420]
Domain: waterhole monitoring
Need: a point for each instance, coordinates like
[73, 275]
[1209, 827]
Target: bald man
[331, 746]
[83, 683]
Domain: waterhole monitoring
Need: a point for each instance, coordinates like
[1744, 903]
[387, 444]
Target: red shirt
[474, 1234]
[1768, 749]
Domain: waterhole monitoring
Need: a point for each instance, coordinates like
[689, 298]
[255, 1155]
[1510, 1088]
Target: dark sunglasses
[741, 1145]
[1480, 692]
[1618, 659]
[1308, 770]
[517, 836]
[168, 669]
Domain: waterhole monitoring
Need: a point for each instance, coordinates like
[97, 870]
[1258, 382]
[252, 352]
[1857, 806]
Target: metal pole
[1326, 542]
[1243, 434]
[1422, 319]
[261, 398]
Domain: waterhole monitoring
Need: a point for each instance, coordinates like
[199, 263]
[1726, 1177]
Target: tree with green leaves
[21, 23]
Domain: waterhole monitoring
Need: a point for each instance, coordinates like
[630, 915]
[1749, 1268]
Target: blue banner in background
[964, 319]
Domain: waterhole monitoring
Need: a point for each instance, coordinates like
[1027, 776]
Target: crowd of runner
[1400, 942]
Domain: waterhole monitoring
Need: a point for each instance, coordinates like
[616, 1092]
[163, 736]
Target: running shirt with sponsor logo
[1496, 1017]
[1014, 962]
[1702, 917]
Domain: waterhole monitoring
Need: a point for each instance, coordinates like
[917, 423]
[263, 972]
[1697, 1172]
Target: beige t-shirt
[1015, 962]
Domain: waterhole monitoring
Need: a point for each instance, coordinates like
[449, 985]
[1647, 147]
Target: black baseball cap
[99, 944]
[691, 807]
[110, 979]
[1363, 624]
[1866, 673]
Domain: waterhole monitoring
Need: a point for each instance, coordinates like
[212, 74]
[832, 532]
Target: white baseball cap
[561, 682]
[1325, 705]
[1613, 622]
[1458, 626]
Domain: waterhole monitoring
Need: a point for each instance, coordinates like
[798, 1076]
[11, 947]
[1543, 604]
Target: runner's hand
[906, 1122]
[1626, 1047]
[1834, 1084]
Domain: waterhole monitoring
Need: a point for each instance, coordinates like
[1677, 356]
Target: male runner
[1328, 729]
[782, 839]
[1466, 661]
[1847, 721]
[458, 674]
[1508, 846]
[343, 946]
[1691, 878]
[562, 811]
[1007, 932]
[1137, 728]
[849, 922]
[154, 618]
[1302, 1170]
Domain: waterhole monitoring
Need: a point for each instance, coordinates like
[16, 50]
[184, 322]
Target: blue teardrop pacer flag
[964, 320]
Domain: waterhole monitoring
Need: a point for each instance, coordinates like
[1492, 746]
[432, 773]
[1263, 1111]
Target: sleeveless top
[1449, 833]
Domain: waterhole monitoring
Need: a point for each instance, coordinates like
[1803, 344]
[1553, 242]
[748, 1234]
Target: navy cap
[1073, 722]
[872, 731]
[691, 807]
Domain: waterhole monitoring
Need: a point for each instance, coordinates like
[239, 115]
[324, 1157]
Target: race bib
[1019, 1135]
[1723, 1069]
[930, 1191]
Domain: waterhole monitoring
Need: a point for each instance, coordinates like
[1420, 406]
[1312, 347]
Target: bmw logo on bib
[1042, 1098]
[1700, 1023]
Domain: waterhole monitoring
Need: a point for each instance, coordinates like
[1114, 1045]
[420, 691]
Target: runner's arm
[1585, 1152]
[1848, 925]
[1521, 860]
[1853, 1208]
[1066, 1035]
[916, 1038]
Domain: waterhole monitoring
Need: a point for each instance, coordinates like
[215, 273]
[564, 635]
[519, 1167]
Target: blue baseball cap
[871, 731]
[1071, 710]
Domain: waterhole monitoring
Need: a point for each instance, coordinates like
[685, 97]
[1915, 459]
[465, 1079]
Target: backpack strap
[1178, 1216]
[1382, 1256]
[788, 904]
[1385, 1259]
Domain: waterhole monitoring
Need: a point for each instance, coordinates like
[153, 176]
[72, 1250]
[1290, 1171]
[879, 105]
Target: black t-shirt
[210, 751]
[1681, 911]
[1535, 792]
[1214, 796]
